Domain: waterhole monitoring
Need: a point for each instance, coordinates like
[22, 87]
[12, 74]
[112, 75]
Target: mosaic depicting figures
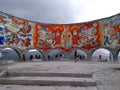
[66, 36]
[111, 31]
[89, 35]
[43, 37]
[15, 32]
[20, 33]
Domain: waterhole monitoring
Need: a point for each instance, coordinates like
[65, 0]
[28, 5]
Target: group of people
[31, 57]
[78, 56]
[56, 57]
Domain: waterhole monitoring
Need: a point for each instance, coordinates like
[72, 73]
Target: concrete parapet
[49, 81]
[85, 75]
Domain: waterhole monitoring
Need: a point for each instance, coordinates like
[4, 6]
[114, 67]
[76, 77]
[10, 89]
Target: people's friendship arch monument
[23, 35]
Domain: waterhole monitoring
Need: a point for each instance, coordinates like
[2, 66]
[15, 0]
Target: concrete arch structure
[33, 51]
[22, 35]
[10, 54]
[45, 54]
[110, 50]
[57, 54]
[80, 51]
[117, 52]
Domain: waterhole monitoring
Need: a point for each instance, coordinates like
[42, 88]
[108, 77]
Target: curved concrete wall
[23, 34]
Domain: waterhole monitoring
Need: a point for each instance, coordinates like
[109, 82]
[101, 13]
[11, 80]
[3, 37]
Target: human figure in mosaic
[49, 39]
[11, 26]
[92, 37]
[83, 37]
[66, 38]
[41, 37]
[58, 38]
[107, 36]
[41, 33]
[75, 38]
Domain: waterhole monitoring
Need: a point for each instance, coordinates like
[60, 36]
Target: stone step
[4, 62]
[28, 87]
[48, 81]
[3, 73]
[87, 75]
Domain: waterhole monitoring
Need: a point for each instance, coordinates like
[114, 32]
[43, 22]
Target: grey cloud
[48, 11]
[59, 11]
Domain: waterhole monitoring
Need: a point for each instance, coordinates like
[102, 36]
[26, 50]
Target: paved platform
[62, 66]
[107, 74]
[19, 87]
[49, 81]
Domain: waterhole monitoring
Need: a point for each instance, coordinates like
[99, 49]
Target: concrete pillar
[115, 54]
[44, 55]
[89, 56]
[21, 55]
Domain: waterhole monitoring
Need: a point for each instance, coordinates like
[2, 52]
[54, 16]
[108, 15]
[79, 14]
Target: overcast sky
[60, 11]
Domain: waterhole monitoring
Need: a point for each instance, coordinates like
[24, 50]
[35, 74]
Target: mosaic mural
[66, 36]
[110, 31]
[20, 33]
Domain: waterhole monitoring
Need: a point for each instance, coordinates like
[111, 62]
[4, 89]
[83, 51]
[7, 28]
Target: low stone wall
[4, 62]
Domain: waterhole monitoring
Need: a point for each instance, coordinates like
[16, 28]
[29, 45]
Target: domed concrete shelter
[33, 54]
[82, 54]
[10, 54]
[103, 54]
[96, 54]
[55, 54]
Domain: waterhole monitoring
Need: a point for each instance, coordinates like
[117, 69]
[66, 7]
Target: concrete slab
[62, 67]
[85, 75]
[3, 73]
[103, 72]
[108, 87]
[48, 78]
[19, 87]
[48, 81]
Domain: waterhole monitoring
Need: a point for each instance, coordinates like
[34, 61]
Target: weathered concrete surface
[109, 78]
[43, 74]
[104, 72]
[49, 81]
[3, 73]
[62, 67]
[3, 65]
[21, 87]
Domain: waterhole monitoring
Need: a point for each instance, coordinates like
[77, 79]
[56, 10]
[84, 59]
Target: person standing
[39, 57]
[31, 57]
[36, 56]
[110, 56]
[83, 57]
[48, 57]
[75, 55]
[23, 59]
[80, 57]
[100, 57]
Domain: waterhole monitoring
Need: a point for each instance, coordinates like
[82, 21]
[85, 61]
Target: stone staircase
[48, 79]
